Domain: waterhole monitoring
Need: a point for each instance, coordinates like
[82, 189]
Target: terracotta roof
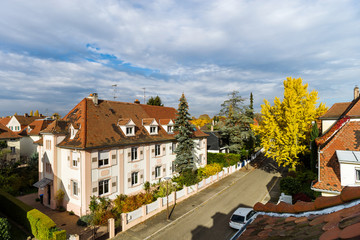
[6, 133]
[56, 127]
[36, 127]
[24, 121]
[123, 121]
[341, 224]
[99, 124]
[4, 121]
[336, 110]
[164, 121]
[148, 121]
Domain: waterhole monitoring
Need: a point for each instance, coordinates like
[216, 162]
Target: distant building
[216, 143]
[339, 148]
[13, 143]
[108, 148]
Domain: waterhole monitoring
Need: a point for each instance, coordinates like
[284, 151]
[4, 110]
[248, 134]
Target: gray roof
[348, 156]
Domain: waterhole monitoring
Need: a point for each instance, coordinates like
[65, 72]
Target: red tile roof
[341, 224]
[4, 121]
[25, 120]
[98, 124]
[336, 110]
[148, 121]
[36, 127]
[6, 133]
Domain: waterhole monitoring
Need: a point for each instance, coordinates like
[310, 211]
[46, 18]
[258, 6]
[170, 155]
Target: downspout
[319, 163]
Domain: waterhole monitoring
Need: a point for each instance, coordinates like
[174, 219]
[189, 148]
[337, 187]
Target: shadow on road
[220, 228]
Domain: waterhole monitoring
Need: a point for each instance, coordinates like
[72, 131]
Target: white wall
[326, 124]
[14, 123]
[347, 174]
[13, 143]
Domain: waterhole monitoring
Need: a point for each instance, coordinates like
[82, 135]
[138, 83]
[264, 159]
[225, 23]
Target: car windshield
[237, 218]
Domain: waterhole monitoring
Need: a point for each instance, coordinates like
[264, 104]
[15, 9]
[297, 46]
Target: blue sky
[55, 53]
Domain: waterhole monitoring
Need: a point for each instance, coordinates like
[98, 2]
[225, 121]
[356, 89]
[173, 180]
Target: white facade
[14, 124]
[326, 124]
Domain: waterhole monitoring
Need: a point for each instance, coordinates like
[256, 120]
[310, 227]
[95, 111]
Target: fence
[133, 218]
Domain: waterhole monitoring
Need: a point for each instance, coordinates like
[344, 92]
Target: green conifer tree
[185, 149]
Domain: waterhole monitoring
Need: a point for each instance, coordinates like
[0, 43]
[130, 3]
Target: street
[206, 215]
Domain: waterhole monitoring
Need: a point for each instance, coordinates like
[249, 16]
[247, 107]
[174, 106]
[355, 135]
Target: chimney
[94, 98]
[137, 101]
[356, 92]
[26, 115]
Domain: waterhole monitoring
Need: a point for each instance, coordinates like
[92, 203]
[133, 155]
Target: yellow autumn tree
[285, 127]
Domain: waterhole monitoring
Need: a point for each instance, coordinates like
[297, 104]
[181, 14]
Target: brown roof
[164, 121]
[341, 224]
[57, 127]
[148, 121]
[336, 110]
[99, 124]
[24, 121]
[36, 127]
[6, 133]
[123, 121]
[4, 121]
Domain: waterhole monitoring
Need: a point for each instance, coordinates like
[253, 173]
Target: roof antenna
[144, 95]
[114, 86]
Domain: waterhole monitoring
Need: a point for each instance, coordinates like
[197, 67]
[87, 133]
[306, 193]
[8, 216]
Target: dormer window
[73, 131]
[168, 125]
[151, 125]
[169, 129]
[127, 126]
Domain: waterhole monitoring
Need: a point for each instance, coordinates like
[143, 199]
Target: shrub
[15, 209]
[71, 213]
[101, 209]
[133, 202]
[59, 198]
[164, 187]
[59, 235]
[42, 226]
[289, 185]
[209, 170]
[4, 229]
[84, 220]
[224, 159]
[147, 186]
[187, 178]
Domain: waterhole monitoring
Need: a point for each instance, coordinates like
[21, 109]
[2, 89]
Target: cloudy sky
[55, 53]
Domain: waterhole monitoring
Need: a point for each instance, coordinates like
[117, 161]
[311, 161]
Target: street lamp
[167, 197]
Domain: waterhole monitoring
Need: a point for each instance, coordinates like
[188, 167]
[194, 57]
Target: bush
[85, 220]
[101, 209]
[298, 182]
[187, 178]
[163, 189]
[224, 159]
[4, 229]
[209, 170]
[42, 226]
[15, 209]
[125, 203]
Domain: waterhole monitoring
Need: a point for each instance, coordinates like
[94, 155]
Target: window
[12, 150]
[11, 128]
[201, 158]
[134, 178]
[75, 188]
[75, 159]
[48, 167]
[357, 175]
[103, 158]
[153, 129]
[48, 144]
[157, 171]
[173, 166]
[103, 186]
[157, 149]
[133, 153]
[129, 130]
[173, 147]
[169, 129]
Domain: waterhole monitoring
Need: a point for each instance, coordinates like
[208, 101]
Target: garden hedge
[224, 159]
[15, 209]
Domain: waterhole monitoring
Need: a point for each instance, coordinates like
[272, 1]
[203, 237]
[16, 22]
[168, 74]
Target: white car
[240, 217]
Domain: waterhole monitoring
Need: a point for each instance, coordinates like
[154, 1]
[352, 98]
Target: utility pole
[114, 88]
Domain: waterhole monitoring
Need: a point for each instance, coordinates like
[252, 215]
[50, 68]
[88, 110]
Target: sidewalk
[158, 222]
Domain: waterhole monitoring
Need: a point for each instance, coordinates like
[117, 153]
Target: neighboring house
[339, 148]
[30, 134]
[108, 148]
[13, 143]
[215, 142]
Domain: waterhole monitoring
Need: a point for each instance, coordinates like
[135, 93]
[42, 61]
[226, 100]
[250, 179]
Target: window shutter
[94, 162]
[78, 161]
[114, 184]
[129, 180]
[78, 191]
[163, 150]
[141, 153]
[164, 170]
[153, 151]
[94, 188]
[141, 176]
[69, 162]
[153, 173]
[113, 159]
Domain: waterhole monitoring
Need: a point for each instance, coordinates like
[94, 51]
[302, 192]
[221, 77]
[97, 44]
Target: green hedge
[224, 159]
[15, 209]
[4, 229]
[41, 225]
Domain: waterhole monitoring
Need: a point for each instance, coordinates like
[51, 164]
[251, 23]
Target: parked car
[240, 217]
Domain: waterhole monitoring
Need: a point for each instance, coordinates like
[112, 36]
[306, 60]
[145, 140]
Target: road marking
[202, 204]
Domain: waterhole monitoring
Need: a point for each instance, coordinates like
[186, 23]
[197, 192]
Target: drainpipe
[319, 163]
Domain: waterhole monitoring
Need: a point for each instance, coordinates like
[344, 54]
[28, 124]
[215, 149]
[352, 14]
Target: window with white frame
[134, 153]
[173, 148]
[357, 173]
[134, 178]
[201, 158]
[75, 159]
[157, 171]
[169, 129]
[157, 149]
[12, 149]
[75, 188]
[48, 144]
[103, 158]
[129, 131]
[103, 186]
[153, 130]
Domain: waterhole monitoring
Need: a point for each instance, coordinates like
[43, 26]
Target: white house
[108, 148]
[13, 143]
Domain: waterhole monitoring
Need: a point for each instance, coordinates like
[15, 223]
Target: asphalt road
[206, 215]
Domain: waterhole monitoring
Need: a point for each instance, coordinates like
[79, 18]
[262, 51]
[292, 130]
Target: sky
[55, 53]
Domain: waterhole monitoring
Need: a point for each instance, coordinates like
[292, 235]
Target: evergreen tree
[237, 124]
[155, 101]
[185, 149]
[251, 107]
[313, 147]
